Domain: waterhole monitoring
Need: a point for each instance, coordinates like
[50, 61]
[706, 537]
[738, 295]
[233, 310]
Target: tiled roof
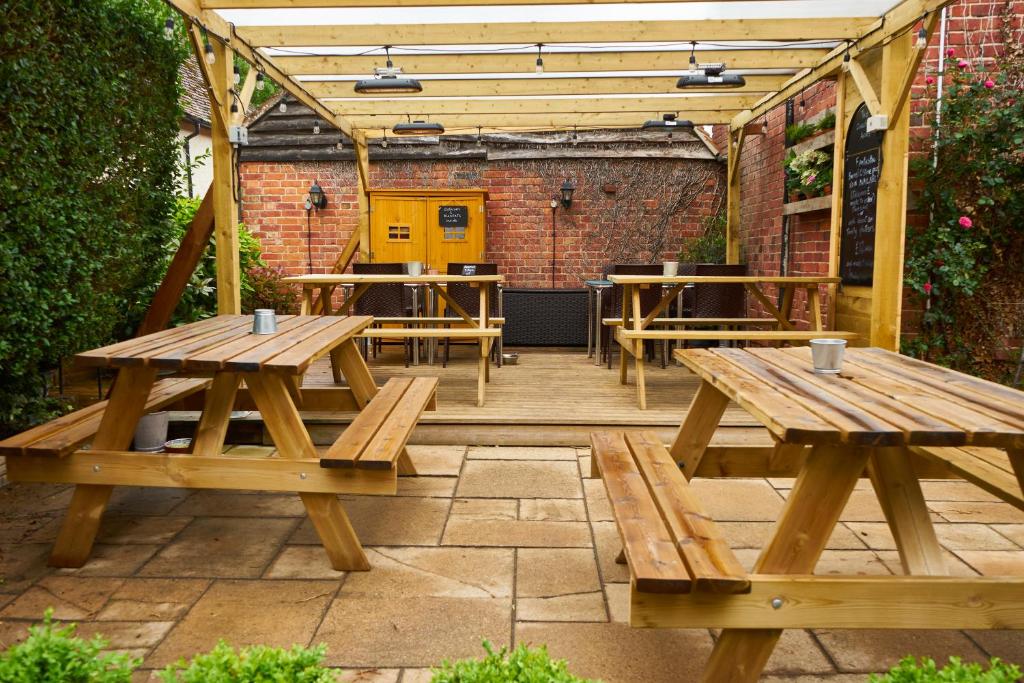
[194, 97]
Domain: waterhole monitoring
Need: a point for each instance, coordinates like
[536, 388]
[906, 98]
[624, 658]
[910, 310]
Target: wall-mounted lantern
[567, 189]
[317, 199]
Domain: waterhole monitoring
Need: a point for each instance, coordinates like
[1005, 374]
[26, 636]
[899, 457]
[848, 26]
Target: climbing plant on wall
[87, 167]
[966, 263]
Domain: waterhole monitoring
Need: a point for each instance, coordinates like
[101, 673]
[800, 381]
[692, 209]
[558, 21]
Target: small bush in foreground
[53, 654]
[909, 671]
[522, 665]
[256, 664]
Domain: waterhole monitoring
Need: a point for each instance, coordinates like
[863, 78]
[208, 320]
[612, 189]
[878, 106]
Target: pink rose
[929, 80]
[962, 64]
[965, 222]
[927, 288]
[989, 83]
[950, 52]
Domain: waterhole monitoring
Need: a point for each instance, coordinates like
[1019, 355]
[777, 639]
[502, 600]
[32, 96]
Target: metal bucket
[670, 268]
[510, 359]
[827, 355]
[151, 432]
[264, 321]
[415, 268]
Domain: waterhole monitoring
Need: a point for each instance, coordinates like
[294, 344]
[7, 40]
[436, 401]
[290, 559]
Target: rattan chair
[388, 300]
[714, 300]
[468, 297]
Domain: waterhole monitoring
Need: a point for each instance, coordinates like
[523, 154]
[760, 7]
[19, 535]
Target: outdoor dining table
[224, 348]
[633, 328]
[884, 414]
[479, 327]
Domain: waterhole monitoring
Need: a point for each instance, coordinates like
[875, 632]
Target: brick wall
[972, 33]
[622, 210]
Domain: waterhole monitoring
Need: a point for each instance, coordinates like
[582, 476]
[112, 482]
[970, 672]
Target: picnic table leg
[1017, 462]
[117, 427]
[282, 419]
[356, 372]
[638, 351]
[213, 423]
[814, 309]
[902, 501]
[307, 301]
[698, 427]
[808, 518]
[627, 300]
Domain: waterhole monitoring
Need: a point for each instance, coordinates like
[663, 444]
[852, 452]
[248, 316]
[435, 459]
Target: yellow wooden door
[455, 231]
[398, 229]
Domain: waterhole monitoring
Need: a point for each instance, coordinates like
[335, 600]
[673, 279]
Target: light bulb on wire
[208, 54]
[283, 107]
[384, 142]
[236, 75]
[259, 80]
[540, 60]
[169, 29]
[316, 128]
[479, 137]
[922, 39]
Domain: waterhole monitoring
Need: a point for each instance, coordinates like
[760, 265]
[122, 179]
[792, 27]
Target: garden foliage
[53, 654]
[87, 173]
[255, 664]
[709, 246]
[966, 262]
[957, 671]
[522, 665]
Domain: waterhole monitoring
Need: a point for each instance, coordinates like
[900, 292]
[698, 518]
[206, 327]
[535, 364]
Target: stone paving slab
[512, 479]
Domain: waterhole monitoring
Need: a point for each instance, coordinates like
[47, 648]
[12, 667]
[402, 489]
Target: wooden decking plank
[214, 357]
[102, 357]
[390, 439]
[205, 338]
[789, 420]
[353, 441]
[294, 352]
[978, 471]
[654, 561]
[1007, 403]
[918, 427]
[856, 426]
[708, 558]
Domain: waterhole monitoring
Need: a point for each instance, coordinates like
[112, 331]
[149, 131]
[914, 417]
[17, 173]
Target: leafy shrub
[709, 247]
[53, 654]
[826, 122]
[256, 664]
[266, 290]
[88, 163]
[522, 665]
[808, 172]
[909, 671]
[796, 132]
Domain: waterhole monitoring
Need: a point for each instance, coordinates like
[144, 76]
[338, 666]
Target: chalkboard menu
[863, 161]
[453, 216]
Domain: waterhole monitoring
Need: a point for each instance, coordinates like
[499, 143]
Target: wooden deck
[552, 397]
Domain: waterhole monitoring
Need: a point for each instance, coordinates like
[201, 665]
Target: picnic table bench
[633, 329]
[366, 458]
[884, 417]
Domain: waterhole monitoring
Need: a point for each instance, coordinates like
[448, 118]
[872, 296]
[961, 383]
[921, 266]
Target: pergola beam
[831, 28]
[295, 4]
[562, 121]
[895, 22]
[483, 87]
[512, 105]
[554, 62]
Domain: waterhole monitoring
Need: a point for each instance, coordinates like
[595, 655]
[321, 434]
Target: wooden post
[225, 208]
[891, 216]
[362, 187]
[838, 169]
[732, 228]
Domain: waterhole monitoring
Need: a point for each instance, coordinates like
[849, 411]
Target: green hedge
[87, 172]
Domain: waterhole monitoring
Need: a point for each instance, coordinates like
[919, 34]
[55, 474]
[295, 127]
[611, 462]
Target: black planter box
[545, 317]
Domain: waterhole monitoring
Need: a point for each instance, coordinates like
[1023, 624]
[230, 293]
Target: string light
[283, 107]
[236, 75]
[384, 142]
[479, 137]
[316, 128]
[259, 80]
[208, 54]
[540, 60]
[339, 146]
[922, 39]
[169, 29]
[693, 56]
[234, 108]
[575, 136]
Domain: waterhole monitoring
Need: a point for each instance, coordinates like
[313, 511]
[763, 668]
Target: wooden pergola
[600, 71]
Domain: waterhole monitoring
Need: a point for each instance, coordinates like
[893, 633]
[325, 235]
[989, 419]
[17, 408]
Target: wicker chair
[383, 300]
[612, 306]
[719, 300]
[468, 297]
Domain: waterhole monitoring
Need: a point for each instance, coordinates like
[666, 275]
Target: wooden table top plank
[203, 338]
[853, 425]
[981, 428]
[919, 427]
[1000, 401]
[298, 356]
[214, 357]
[104, 355]
[350, 279]
[784, 417]
[722, 279]
[172, 358]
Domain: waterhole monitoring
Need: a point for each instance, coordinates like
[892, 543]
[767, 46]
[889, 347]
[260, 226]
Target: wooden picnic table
[883, 416]
[481, 327]
[634, 329]
[271, 367]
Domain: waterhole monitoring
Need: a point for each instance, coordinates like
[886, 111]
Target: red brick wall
[622, 210]
[972, 33]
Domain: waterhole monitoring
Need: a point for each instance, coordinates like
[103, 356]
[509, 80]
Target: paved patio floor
[509, 544]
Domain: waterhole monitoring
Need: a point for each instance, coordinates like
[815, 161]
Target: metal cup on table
[415, 268]
[827, 355]
[264, 321]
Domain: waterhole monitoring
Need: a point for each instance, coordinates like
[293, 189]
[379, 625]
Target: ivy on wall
[88, 156]
[966, 264]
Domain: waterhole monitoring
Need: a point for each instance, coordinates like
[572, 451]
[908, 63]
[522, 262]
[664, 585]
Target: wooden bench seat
[65, 434]
[431, 320]
[740, 335]
[376, 438]
[454, 333]
[670, 544]
[988, 468]
[688, 322]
